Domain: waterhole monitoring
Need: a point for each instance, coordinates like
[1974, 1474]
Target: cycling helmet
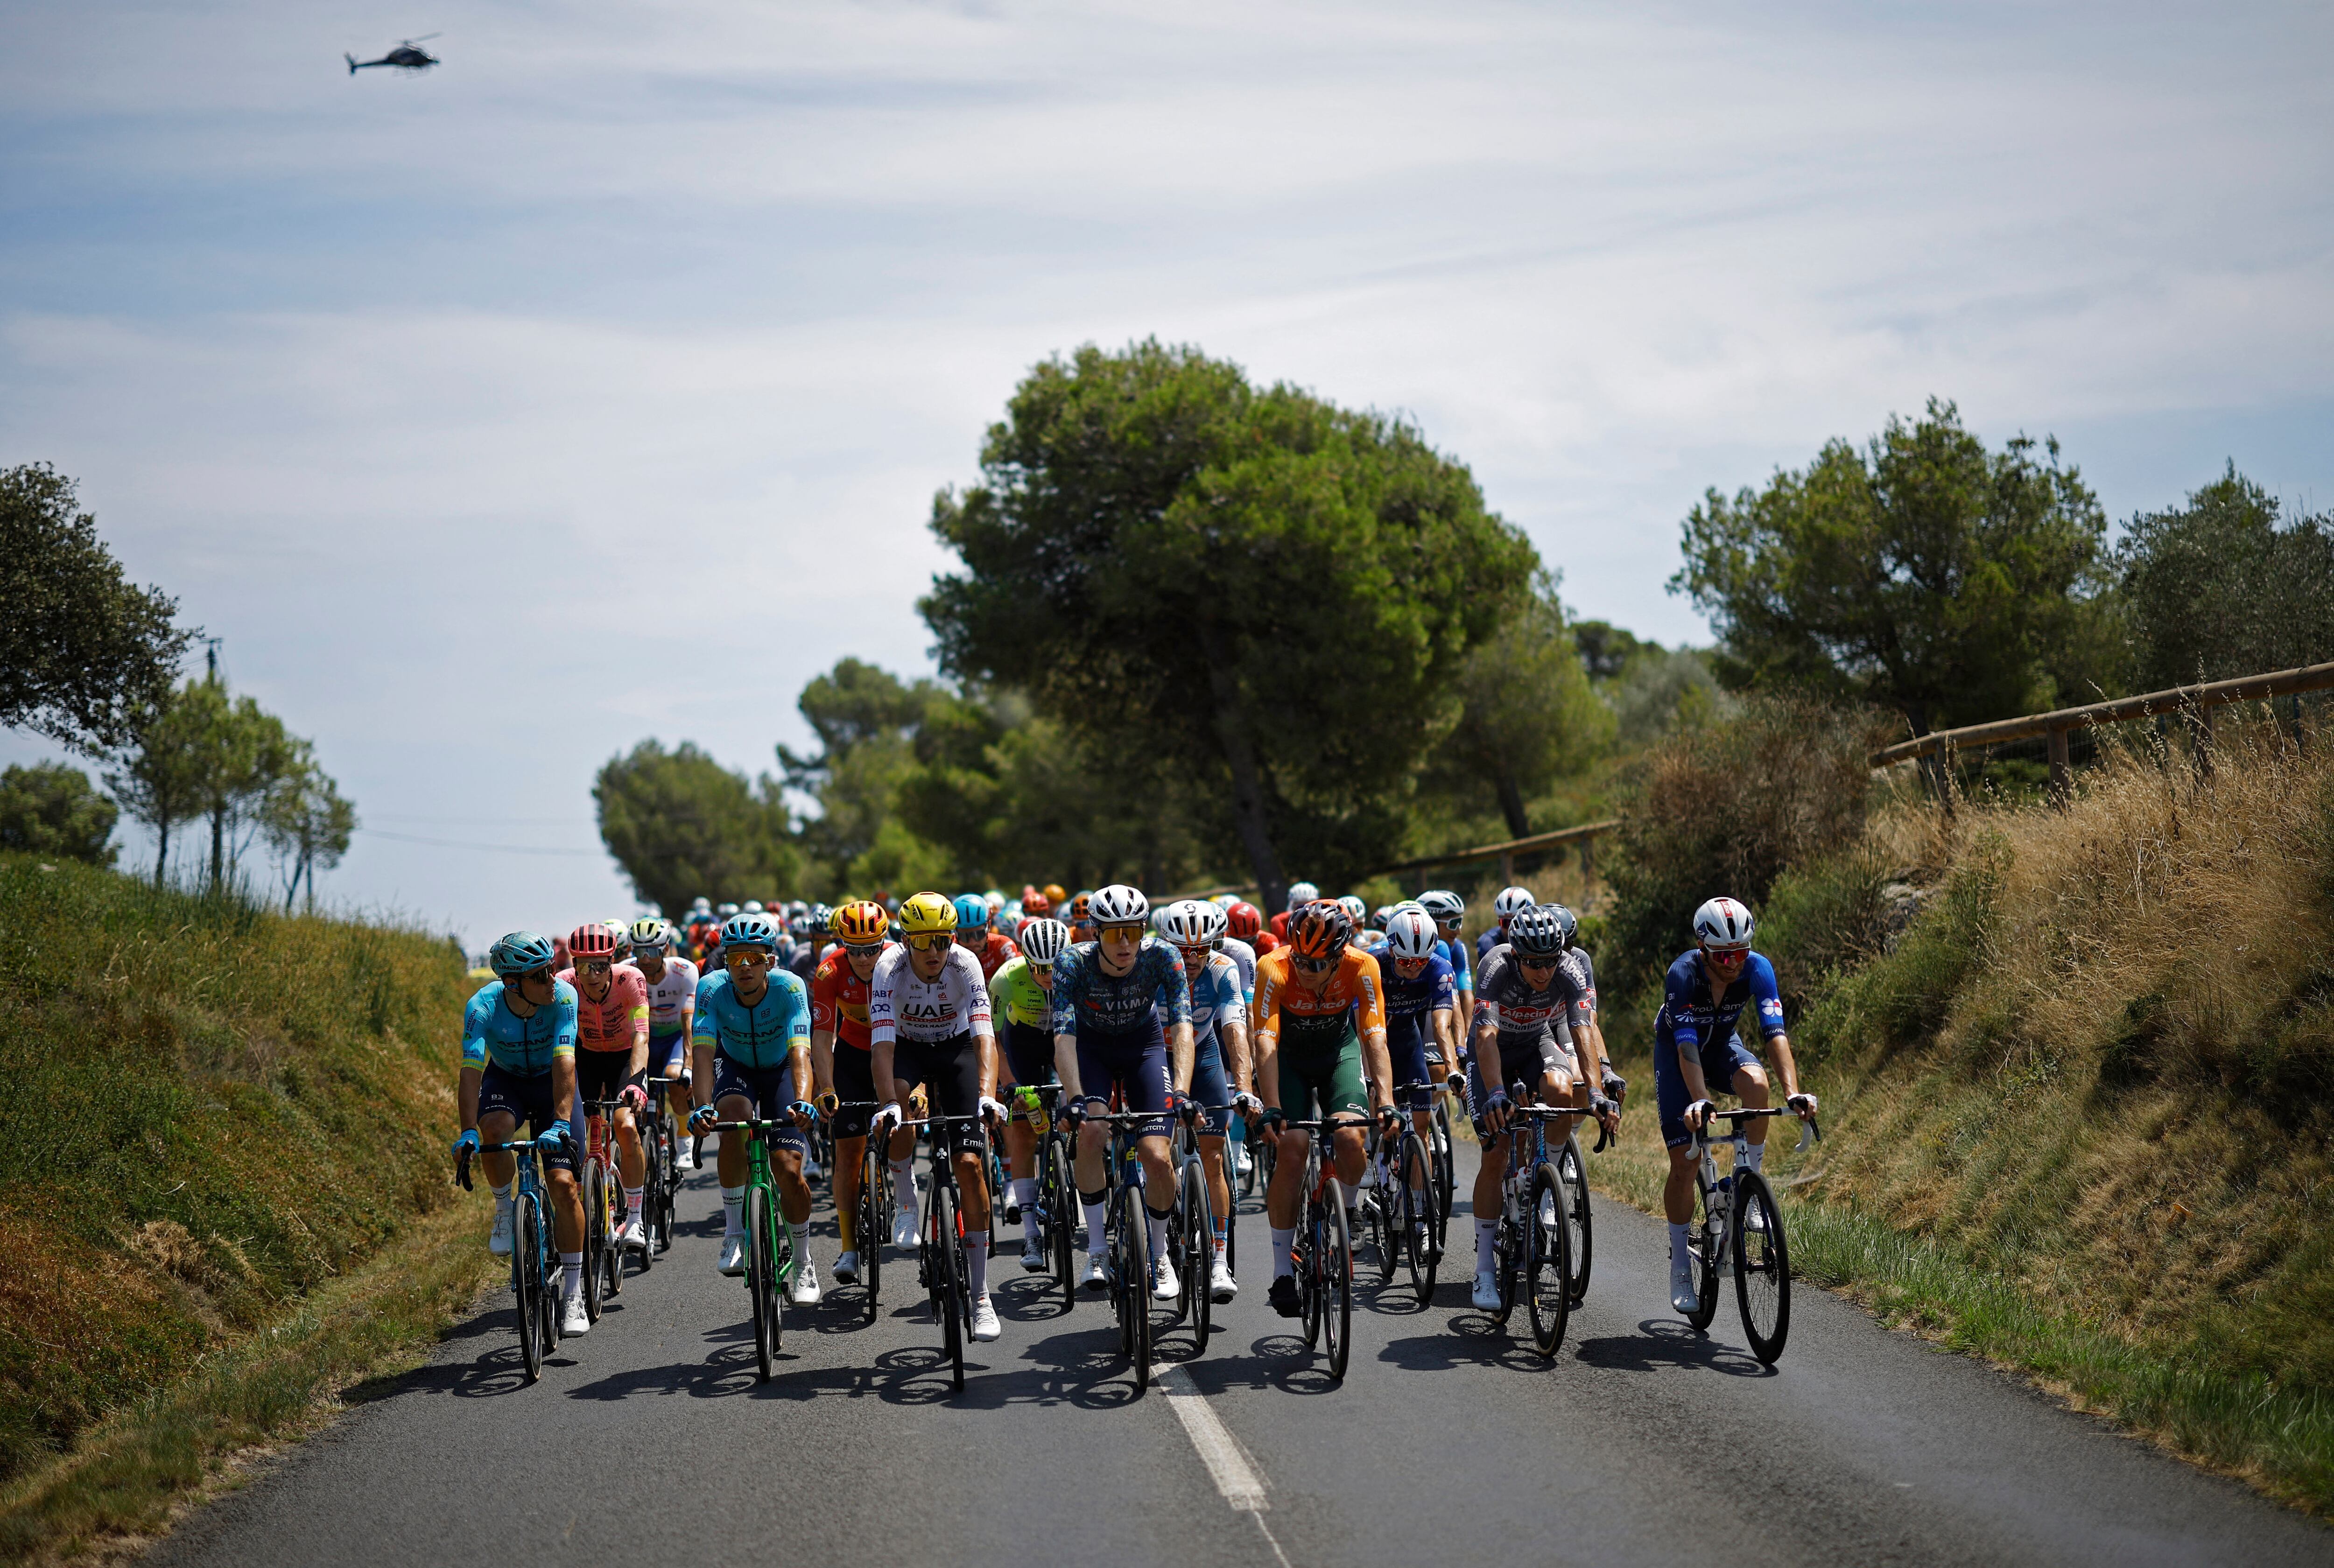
[1159, 919]
[972, 912]
[1222, 900]
[1055, 893]
[1042, 940]
[1565, 921]
[1193, 923]
[1510, 900]
[1037, 906]
[804, 925]
[1534, 933]
[591, 939]
[701, 903]
[649, 931]
[753, 907]
[1378, 917]
[1320, 929]
[726, 910]
[749, 930]
[926, 914]
[1356, 910]
[860, 925]
[1410, 933]
[1443, 905]
[1301, 894]
[1243, 920]
[1118, 905]
[821, 917]
[1078, 906]
[1723, 924]
[519, 953]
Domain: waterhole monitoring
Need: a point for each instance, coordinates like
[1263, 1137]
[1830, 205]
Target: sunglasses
[748, 958]
[925, 941]
[1122, 933]
[543, 975]
[1727, 956]
[593, 966]
[1314, 966]
[863, 949]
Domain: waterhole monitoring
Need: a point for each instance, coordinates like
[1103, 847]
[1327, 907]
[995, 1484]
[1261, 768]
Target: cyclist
[671, 983]
[992, 948]
[1245, 922]
[1328, 997]
[1587, 1034]
[928, 1022]
[839, 1062]
[1419, 998]
[1300, 895]
[1021, 1001]
[752, 1034]
[1082, 917]
[1449, 912]
[1122, 1009]
[613, 1054]
[519, 1065]
[1523, 1033]
[1219, 1078]
[1510, 902]
[1696, 1049]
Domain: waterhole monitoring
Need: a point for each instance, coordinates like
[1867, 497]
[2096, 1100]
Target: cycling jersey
[1497, 936]
[671, 996]
[617, 1021]
[1432, 991]
[994, 953]
[1373, 943]
[1216, 998]
[1584, 980]
[1085, 997]
[1244, 957]
[760, 1035]
[1689, 1018]
[1453, 951]
[900, 1005]
[1317, 1021]
[525, 1047]
[1506, 1001]
[1014, 996]
[838, 1000]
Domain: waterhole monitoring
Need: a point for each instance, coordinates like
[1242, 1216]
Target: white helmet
[1723, 924]
[753, 906]
[1118, 905]
[1410, 933]
[1193, 923]
[1042, 941]
[1442, 904]
[1301, 894]
[1511, 901]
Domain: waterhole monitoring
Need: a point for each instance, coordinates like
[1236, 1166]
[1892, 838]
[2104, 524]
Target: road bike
[531, 1293]
[661, 1149]
[1056, 1204]
[1324, 1251]
[603, 1208]
[770, 1261]
[1399, 1202]
[1739, 1229]
[1126, 1240]
[876, 1206]
[1191, 1226]
[1533, 1241]
[940, 1265]
[1438, 1146]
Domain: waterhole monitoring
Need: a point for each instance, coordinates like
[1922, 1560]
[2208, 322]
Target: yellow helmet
[927, 913]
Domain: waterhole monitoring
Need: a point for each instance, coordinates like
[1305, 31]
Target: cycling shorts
[1519, 1058]
[667, 1054]
[1210, 1085]
[527, 1101]
[1720, 1061]
[1315, 1084]
[950, 1069]
[601, 1076]
[1407, 1038]
[769, 1090]
[1134, 1064]
[1029, 1053]
[855, 1082]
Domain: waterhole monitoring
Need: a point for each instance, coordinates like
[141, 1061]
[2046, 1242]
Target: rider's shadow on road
[1666, 1343]
[1470, 1340]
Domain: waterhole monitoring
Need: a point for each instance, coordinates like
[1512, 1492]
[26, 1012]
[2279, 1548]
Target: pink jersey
[618, 1020]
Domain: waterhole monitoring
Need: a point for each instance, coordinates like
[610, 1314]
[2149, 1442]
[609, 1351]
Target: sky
[595, 384]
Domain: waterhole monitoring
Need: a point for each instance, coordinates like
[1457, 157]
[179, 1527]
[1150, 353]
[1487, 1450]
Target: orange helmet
[1078, 909]
[1320, 929]
[1055, 893]
[1037, 906]
[861, 924]
[591, 939]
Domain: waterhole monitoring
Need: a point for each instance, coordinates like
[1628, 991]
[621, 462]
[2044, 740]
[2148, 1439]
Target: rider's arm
[882, 1027]
[562, 1086]
[640, 1039]
[469, 1096]
[1266, 1037]
[474, 1053]
[1064, 1004]
[1766, 1000]
[822, 1063]
[1174, 995]
[980, 1017]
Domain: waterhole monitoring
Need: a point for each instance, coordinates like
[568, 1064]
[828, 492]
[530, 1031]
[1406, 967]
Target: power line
[461, 844]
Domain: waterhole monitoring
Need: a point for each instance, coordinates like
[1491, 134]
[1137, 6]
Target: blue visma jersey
[1084, 998]
[1690, 1018]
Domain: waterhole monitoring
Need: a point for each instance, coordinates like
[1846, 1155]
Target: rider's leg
[631, 1167]
[850, 1153]
[1750, 1088]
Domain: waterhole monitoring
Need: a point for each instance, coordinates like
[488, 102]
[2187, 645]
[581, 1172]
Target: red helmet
[1320, 929]
[591, 939]
[1037, 906]
[1244, 920]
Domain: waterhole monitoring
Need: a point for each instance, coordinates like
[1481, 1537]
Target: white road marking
[1228, 1463]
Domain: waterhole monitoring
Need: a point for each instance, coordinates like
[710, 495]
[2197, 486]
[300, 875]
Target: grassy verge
[130, 1476]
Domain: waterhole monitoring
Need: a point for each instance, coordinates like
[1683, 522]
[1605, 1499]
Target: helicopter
[407, 56]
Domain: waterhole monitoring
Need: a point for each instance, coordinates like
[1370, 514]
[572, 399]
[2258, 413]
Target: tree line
[91, 660]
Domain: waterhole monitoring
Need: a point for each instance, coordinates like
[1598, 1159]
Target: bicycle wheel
[1445, 1182]
[1337, 1281]
[595, 1236]
[1507, 1253]
[612, 1254]
[1313, 1244]
[651, 1201]
[1383, 1237]
[1138, 1291]
[1547, 1252]
[1247, 1177]
[1414, 1209]
[1574, 1172]
[941, 1244]
[1702, 1247]
[872, 1224]
[1762, 1266]
[1058, 1196]
[761, 1284]
[527, 1286]
[1198, 1251]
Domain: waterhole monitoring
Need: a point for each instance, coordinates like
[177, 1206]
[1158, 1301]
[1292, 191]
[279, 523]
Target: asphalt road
[650, 1441]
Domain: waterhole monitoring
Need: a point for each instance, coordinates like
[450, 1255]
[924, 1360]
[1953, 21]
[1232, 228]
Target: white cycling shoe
[573, 1319]
[733, 1255]
[903, 1223]
[1221, 1286]
[1032, 1254]
[1241, 1161]
[500, 1243]
[1487, 1291]
[1097, 1276]
[806, 1287]
[846, 1268]
[1165, 1284]
[1683, 1295]
[634, 1236]
[985, 1325]
[682, 1159]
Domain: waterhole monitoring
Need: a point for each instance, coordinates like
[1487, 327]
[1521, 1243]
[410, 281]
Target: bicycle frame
[534, 1300]
[1324, 1251]
[770, 1260]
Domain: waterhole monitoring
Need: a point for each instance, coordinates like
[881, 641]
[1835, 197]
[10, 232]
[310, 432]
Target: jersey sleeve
[1175, 993]
[798, 1009]
[705, 1029]
[1765, 997]
[823, 988]
[563, 1011]
[474, 1020]
[1265, 1016]
[1492, 979]
[882, 1018]
[1069, 977]
[1231, 1005]
[979, 1018]
[1445, 995]
[1369, 995]
[1677, 1004]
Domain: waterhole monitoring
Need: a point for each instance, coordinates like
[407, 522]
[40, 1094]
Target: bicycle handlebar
[1811, 1130]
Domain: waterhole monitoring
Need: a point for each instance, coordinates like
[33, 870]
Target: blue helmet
[1565, 921]
[520, 952]
[754, 929]
[972, 912]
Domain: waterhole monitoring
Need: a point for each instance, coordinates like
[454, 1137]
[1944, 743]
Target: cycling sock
[733, 1211]
[1284, 1261]
[1487, 1232]
[571, 1273]
[1025, 1192]
[1677, 1242]
[795, 1240]
[903, 1181]
[1095, 1221]
[1218, 1228]
[632, 1202]
[847, 1220]
[503, 1194]
[1754, 1155]
[1030, 1222]
[976, 1263]
[1158, 1231]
